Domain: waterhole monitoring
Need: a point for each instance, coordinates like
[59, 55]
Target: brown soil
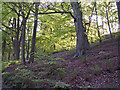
[99, 68]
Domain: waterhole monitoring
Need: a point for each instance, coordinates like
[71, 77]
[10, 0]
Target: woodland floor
[99, 68]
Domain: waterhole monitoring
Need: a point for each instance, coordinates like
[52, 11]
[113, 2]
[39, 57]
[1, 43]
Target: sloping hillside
[97, 69]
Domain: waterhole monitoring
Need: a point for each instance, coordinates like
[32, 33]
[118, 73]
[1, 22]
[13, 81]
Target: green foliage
[55, 69]
[18, 78]
[20, 67]
[20, 71]
[109, 63]
[61, 85]
[102, 52]
[42, 83]
[56, 32]
[42, 72]
[7, 64]
[18, 81]
[41, 55]
[96, 68]
[59, 59]
[52, 63]
[62, 71]
[6, 74]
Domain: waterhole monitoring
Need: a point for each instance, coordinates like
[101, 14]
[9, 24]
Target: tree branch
[91, 17]
[10, 28]
[58, 12]
[29, 11]
[13, 9]
[6, 32]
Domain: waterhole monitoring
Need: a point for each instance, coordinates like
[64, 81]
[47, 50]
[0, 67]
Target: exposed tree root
[79, 53]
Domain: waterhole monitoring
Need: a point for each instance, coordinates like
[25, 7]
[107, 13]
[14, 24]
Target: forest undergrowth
[99, 68]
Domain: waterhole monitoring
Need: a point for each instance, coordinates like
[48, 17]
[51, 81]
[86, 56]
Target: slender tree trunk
[14, 40]
[17, 40]
[97, 23]
[102, 26]
[82, 40]
[90, 18]
[118, 7]
[23, 41]
[8, 56]
[13, 45]
[3, 48]
[28, 47]
[31, 60]
[108, 22]
[18, 51]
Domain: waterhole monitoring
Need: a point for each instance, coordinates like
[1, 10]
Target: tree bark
[108, 23]
[97, 24]
[102, 25]
[14, 49]
[8, 56]
[23, 31]
[28, 47]
[23, 41]
[82, 40]
[14, 39]
[90, 18]
[118, 7]
[17, 39]
[31, 60]
[3, 48]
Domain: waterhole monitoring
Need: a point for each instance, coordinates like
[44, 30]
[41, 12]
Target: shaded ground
[97, 69]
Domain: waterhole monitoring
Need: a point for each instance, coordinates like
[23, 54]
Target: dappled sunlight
[60, 44]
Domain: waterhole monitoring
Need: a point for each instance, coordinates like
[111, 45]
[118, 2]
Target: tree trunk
[82, 40]
[102, 26]
[97, 23]
[13, 44]
[8, 56]
[23, 41]
[18, 51]
[118, 7]
[31, 60]
[90, 18]
[28, 46]
[17, 40]
[3, 48]
[14, 40]
[108, 22]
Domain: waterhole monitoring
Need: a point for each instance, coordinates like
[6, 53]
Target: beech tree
[31, 60]
[82, 39]
[97, 22]
[63, 26]
[118, 7]
[15, 23]
[106, 5]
